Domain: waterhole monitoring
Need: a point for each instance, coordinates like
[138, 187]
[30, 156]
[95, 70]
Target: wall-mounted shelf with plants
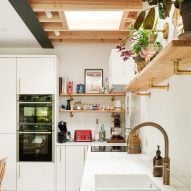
[172, 60]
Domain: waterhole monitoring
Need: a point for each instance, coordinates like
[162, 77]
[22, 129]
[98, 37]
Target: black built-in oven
[35, 127]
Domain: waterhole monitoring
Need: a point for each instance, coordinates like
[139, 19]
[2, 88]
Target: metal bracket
[143, 94]
[71, 114]
[112, 98]
[153, 86]
[177, 70]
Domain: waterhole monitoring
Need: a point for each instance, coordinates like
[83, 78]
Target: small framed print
[93, 80]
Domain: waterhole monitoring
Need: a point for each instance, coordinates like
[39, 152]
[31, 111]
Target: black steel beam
[26, 13]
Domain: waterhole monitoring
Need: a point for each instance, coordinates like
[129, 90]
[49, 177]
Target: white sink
[127, 182]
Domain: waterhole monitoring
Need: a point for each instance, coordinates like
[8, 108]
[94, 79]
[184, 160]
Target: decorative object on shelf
[93, 80]
[80, 88]
[70, 87]
[68, 106]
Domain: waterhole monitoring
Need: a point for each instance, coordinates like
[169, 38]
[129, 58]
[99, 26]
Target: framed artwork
[93, 80]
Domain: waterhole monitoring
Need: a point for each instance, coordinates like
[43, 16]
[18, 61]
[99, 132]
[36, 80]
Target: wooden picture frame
[93, 80]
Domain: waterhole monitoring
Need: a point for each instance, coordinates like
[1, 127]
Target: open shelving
[172, 60]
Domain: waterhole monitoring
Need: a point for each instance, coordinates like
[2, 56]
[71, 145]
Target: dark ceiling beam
[26, 13]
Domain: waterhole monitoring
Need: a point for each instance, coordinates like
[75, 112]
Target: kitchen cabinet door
[60, 168]
[75, 160]
[8, 95]
[8, 149]
[36, 75]
[35, 176]
[120, 71]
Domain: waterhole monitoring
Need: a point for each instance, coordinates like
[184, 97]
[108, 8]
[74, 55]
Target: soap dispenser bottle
[158, 164]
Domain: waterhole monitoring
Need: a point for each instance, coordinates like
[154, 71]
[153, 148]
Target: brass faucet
[166, 160]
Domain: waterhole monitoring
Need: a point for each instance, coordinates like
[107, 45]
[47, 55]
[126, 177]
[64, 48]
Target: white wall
[172, 110]
[74, 58]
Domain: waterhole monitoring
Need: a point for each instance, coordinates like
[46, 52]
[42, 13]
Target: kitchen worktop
[96, 143]
[122, 163]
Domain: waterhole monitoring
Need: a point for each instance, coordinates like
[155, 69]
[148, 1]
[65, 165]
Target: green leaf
[149, 20]
[139, 20]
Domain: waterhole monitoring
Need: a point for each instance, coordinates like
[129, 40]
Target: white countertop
[96, 143]
[122, 163]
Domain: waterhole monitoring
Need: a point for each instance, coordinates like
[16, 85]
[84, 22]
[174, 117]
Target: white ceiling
[13, 31]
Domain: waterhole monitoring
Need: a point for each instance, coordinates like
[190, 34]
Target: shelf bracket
[177, 70]
[71, 98]
[153, 86]
[71, 114]
[112, 98]
[143, 94]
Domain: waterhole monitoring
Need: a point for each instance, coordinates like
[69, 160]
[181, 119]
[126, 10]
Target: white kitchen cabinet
[75, 159]
[36, 75]
[120, 71]
[60, 168]
[8, 95]
[35, 176]
[8, 149]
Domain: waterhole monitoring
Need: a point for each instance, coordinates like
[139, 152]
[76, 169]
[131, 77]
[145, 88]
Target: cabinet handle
[84, 154]
[60, 154]
[19, 171]
[19, 82]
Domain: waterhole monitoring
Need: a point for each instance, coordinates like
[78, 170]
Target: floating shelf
[92, 111]
[162, 66]
[97, 94]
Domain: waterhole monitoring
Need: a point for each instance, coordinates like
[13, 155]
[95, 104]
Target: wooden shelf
[162, 66]
[92, 111]
[97, 94]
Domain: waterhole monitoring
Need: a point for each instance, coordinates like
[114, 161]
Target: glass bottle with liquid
[96, 131]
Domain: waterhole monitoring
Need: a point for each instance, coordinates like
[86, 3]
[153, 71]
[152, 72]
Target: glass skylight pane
[93, 20]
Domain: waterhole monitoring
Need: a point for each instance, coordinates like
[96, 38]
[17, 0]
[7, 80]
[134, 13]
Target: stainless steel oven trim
[34, 132]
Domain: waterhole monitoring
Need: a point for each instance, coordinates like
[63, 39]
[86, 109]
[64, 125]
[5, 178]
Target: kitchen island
[121, 163]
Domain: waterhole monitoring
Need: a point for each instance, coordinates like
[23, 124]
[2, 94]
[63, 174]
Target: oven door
[35, 146]
[30, 113]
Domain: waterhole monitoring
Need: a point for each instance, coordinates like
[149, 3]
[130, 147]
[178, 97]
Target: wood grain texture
[162, 67]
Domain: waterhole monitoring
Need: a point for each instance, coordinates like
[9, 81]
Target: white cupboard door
[60, 168]
[35, 176]
[75, 159]
[36, 75]
[8, 149]
[8, 95]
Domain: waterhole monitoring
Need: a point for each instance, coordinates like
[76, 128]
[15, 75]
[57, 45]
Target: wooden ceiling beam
[64, 20]
[62, 5]
[115, 35]
[43, 19]
[58, 41]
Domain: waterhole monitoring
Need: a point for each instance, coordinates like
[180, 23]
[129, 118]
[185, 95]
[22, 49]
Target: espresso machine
[117, 131]
[62, 134]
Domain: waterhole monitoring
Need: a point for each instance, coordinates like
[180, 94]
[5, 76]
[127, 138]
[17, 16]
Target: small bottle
[96, 131]
[102, 134]
[106, 85]
[158, 164]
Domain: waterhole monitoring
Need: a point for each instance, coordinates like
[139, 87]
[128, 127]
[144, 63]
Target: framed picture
[93, 80]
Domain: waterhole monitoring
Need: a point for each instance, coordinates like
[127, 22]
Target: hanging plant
[162, 9]
[149, 20]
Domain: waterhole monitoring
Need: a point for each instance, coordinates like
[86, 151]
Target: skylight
[93, 20]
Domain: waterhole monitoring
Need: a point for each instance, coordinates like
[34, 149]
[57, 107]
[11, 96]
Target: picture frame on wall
[93, 80]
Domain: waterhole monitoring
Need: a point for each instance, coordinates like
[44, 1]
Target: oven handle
[33, 132]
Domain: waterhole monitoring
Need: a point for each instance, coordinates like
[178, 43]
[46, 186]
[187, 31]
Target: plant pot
[185, 11]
